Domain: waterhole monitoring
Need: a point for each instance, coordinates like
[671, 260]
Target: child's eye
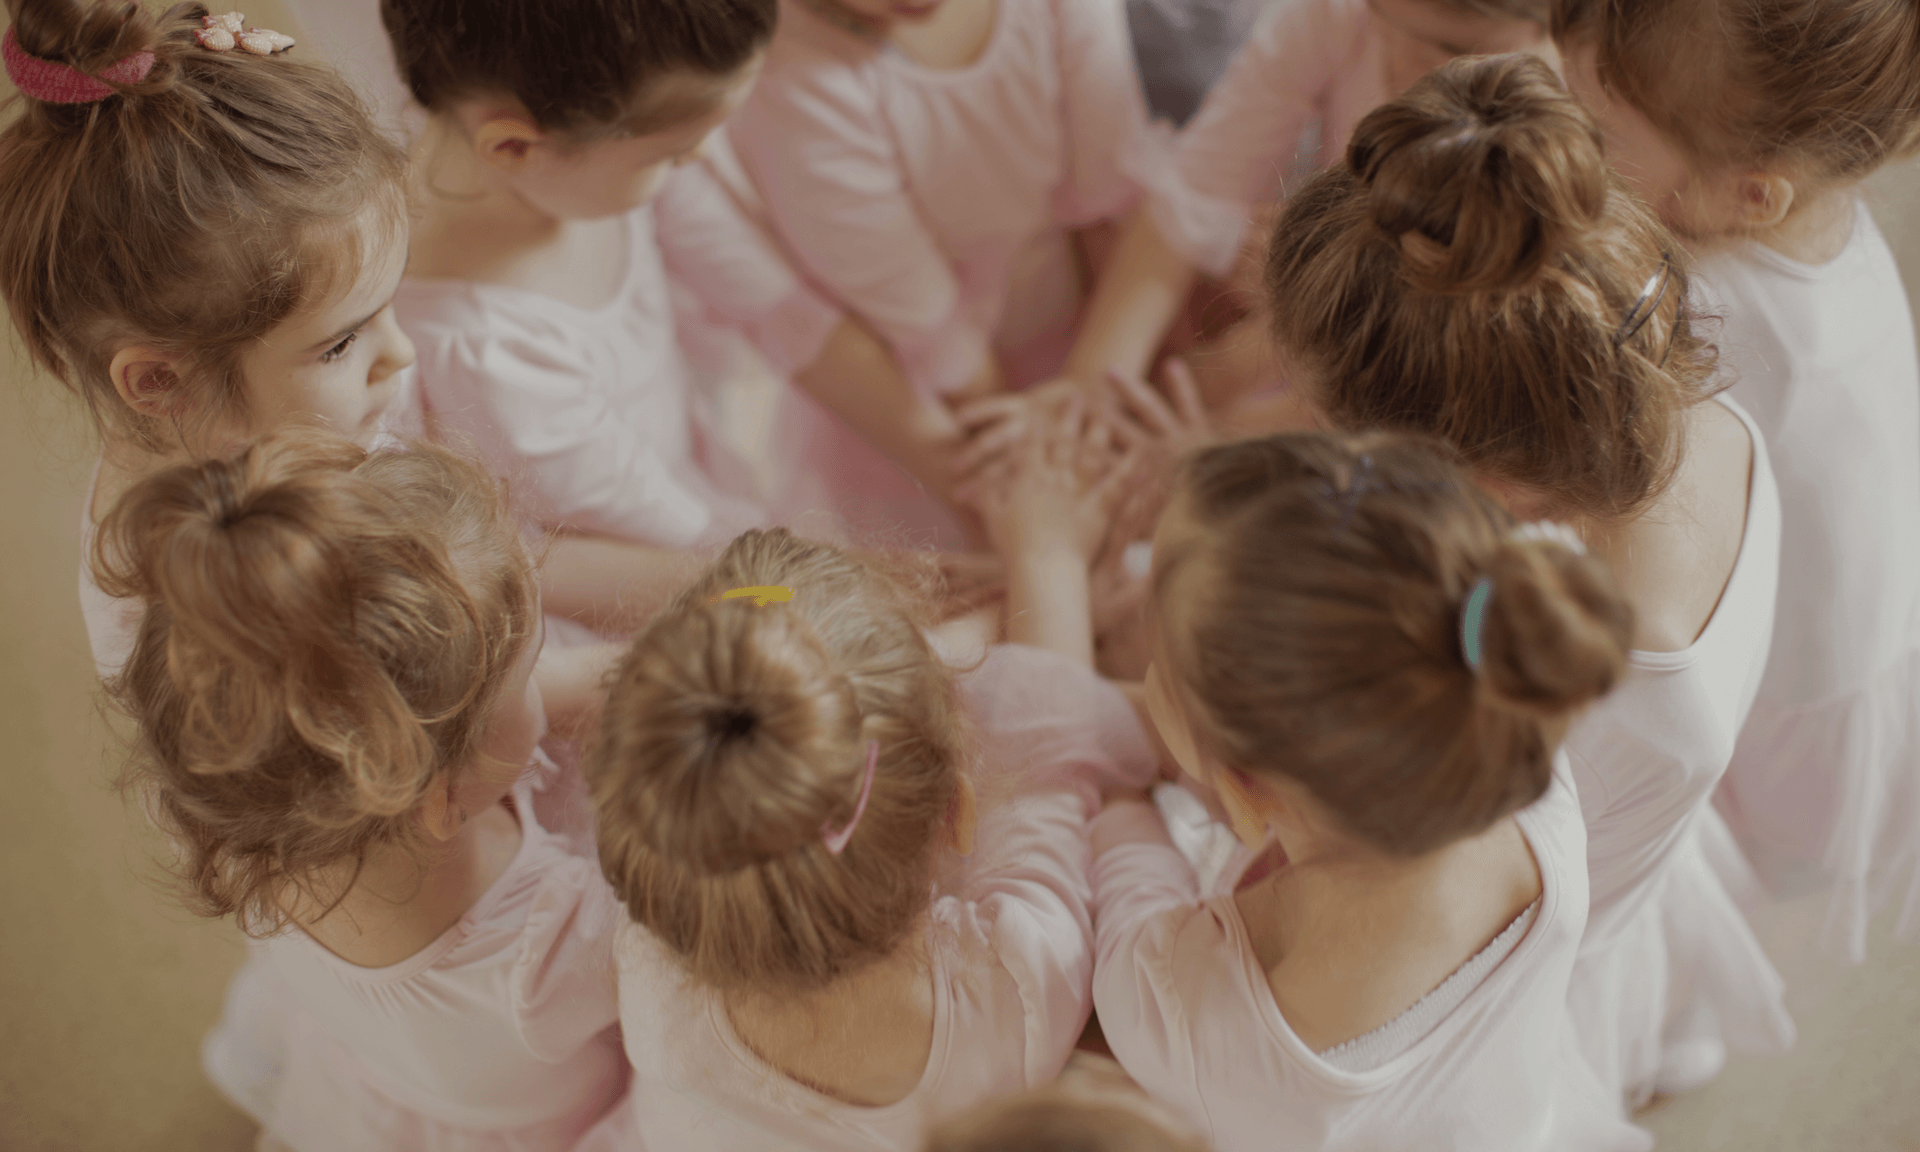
[340, 349]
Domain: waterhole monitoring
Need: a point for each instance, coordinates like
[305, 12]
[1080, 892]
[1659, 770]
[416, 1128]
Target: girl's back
[1185, 1003]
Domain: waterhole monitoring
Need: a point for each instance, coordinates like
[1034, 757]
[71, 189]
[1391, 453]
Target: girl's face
[1418, 36]
[340, 360]
[615, 176]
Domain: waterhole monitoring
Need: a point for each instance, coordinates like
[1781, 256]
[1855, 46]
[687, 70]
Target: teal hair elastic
[1473, 618]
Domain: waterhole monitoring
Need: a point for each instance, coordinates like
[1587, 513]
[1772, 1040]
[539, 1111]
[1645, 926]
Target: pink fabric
[593, 411]
[498, 1036]
[1824, 789]
[53, 83]
[1186, 1006]
[1010, 943]
[1667, 956]
[936, 204]
[1307, 61]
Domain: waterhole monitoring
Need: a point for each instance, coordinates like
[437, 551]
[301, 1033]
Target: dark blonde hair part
[326, 634]
[192, 211]
[1831, 86]
[733, 734]
[1468, 272]
[1315, 626]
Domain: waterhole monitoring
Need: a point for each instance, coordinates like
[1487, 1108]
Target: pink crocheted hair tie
[51, 82]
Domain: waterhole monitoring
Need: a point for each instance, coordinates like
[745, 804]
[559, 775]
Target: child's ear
[148, 381]
[505, 144]
[439, 813]
[1763, 199]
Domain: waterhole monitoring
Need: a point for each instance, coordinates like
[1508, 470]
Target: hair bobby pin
[1649, 303]
[52, 82]
[1473, 619]
[227, 32]
[761, 594]
[836, 838]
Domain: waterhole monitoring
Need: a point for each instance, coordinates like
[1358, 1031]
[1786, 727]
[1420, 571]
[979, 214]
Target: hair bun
[1484, 171]
[1556, 632]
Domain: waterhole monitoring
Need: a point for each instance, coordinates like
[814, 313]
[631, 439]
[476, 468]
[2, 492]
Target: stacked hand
[1055, 479]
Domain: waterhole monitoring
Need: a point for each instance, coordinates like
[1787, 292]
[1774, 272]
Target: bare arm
[612, 585]
[1143, 289]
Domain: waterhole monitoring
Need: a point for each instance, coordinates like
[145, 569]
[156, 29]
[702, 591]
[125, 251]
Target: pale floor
[106, 988]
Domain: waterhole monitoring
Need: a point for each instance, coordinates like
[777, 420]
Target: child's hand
[1175, 424]
[1056, 493]
[997, 425]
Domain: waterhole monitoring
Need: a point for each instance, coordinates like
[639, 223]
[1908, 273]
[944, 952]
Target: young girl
[830, 949]
[333, 682]
[1754, 152]
[1357, 650]
[1472, 272]
[1328, 62]
[548, 290]
[238, 276]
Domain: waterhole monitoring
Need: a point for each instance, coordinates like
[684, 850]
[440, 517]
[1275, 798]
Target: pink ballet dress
[591, 412]
[1669, 963]
[1486, 1061]
[1009, 944]
[499, 1037]
[937, 204]
[1309, 62]
[1825, 782]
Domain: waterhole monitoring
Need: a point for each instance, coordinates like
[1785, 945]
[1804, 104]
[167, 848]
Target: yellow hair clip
[761, 594]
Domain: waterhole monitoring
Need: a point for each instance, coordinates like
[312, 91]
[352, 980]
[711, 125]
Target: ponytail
[1360, 619]
[735, 816]
[1469, 273]
[325, 634]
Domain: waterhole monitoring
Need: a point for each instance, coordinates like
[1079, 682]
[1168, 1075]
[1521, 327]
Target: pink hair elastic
[836, 838]
[51, 82]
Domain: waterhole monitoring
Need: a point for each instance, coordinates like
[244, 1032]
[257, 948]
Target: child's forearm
[573, 683]
[858, 379]
[1143, 289]
[611, 585]
[1048, 603]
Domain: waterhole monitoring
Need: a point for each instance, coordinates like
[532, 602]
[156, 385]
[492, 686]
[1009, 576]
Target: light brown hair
[326, 634]
[1316, 622]
[1469, 272]
[1829, 85]
[733, 734]
[192, 211]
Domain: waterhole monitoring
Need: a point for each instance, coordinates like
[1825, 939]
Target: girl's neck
[1351, 938]
[953, 37]
[865, 1040]
[474, 226]
[399, 903]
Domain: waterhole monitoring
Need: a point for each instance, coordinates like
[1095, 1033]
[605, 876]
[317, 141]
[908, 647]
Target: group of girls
[1368, 743]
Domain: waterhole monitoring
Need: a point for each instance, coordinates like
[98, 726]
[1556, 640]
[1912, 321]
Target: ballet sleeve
[540, 411]
[1029, 898]
[815, 143]
[1105, 111]
[714, 239]
[563, 981]
[1235, 151]
[1042, 714]
[1151, 934]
